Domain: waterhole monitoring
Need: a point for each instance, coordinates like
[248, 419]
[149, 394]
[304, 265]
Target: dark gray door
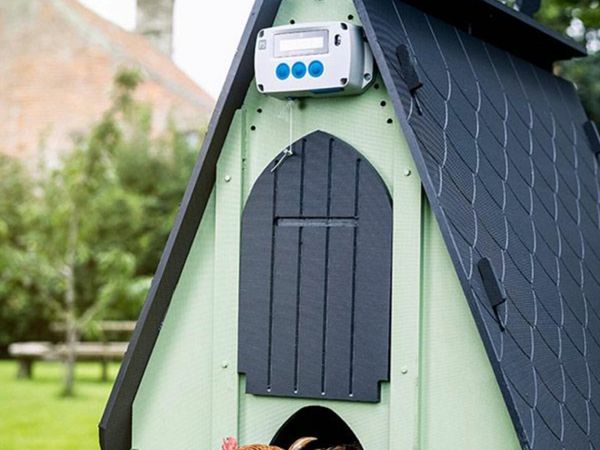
[315, 284]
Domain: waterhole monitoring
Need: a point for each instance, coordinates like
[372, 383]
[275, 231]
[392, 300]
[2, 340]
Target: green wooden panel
[442, 392]
[170, 409]
[226, 269]
[461, 403]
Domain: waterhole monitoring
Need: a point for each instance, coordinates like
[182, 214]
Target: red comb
[229, 444]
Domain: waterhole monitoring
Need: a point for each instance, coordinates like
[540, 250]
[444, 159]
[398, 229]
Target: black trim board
[529, 7]
[115, 425]
[505, 28]
[593, 135]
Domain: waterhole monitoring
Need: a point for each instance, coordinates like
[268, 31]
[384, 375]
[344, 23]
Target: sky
[206, 34]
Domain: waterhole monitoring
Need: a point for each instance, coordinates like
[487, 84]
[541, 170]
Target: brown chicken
[300, 444]
[345, 447]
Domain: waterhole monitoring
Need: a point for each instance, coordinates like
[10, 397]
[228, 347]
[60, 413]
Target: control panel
[302, 60]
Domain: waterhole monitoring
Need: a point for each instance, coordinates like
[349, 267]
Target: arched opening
[319, 422]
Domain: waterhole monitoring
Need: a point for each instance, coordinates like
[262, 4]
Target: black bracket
[591, 130]
[407, 69]
[529, 7]
[493, 287]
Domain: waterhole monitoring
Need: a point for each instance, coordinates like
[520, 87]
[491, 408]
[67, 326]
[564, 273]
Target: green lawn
[34, 416]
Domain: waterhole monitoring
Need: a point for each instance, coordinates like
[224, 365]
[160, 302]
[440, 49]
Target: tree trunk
[72, 338]
[71, 329]
[25, 369]
[104, 374]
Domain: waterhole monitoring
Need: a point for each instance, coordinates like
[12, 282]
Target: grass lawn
[33, 415]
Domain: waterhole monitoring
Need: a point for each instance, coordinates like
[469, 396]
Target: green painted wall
[442, 393]
[461, 404]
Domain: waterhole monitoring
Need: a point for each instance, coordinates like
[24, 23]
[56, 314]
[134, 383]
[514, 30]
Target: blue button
[283, 71]
[299, 70]
[316, 69]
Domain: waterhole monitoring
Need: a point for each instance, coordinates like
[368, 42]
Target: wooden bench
[27, 353]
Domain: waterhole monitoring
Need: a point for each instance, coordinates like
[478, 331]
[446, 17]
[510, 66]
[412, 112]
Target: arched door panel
[315, 283]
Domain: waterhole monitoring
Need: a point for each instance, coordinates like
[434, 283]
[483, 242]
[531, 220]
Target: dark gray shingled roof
[507, 166]
[501, 148]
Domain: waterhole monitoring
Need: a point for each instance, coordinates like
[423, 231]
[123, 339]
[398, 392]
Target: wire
[289, 151]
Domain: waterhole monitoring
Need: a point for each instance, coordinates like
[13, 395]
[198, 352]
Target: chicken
[231, 444]
[345, 447]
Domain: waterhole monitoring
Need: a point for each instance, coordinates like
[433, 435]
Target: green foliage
[560, 15]
[25, 278]
[585, 73]
[103, 216]
[580, 19]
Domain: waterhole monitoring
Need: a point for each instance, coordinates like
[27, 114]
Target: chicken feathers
[231, 444]
[260, 447]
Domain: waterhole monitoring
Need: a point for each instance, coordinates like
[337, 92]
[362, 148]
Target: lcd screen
[290, 45]
[300, 43]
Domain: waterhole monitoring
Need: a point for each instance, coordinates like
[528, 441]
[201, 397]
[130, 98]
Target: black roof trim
[593, 135]
[115, 425]
[506, 28]
[529, 7]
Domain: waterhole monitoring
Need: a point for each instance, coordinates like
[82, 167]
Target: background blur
[103, 106]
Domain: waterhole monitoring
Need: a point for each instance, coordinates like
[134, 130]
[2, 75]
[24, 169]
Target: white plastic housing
[346, 58]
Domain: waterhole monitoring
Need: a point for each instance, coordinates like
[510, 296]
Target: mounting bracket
[494, 289]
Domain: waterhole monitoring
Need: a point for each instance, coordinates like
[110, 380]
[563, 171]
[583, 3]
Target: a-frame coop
[415, 266]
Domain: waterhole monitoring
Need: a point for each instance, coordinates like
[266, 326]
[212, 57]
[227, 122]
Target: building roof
[512, 178]
[59, 60]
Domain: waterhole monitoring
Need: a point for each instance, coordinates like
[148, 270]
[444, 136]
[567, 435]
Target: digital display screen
[301, 43]
[293, 45]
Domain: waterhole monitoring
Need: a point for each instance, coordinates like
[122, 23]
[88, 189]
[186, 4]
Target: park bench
[27, 353]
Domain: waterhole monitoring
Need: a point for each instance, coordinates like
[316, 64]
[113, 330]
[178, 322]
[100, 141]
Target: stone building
[155, 21]
[57, 64]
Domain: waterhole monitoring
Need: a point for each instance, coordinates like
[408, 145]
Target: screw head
[225, 364]
[404, 370]
[407, 172]
[227, 178]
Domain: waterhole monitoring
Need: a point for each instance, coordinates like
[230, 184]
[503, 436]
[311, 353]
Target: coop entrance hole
[315, 421]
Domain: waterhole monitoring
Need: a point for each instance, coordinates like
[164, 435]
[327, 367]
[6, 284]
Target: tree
[580, 20]
[586, 76]
[25, 282]
[80, 242]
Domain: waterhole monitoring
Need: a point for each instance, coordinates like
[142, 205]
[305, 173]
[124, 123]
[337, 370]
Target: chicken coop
[391, 239]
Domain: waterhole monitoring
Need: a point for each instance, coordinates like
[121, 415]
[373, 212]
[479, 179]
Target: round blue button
[316, 69]
[299, 70]
[283, 71]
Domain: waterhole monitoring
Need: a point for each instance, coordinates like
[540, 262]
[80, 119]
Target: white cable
[289, 150]
[291, 109]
